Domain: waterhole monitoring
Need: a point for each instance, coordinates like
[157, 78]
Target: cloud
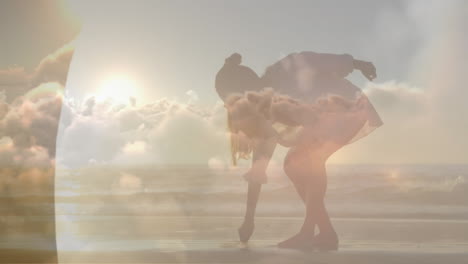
[13, 76]
[134, 154]
[89, 138]
[162, 132]
[30, 107]
[186, 136]
[399, 100]
[24, 170]
[54, 67]
[423, 114]
[33, 121]
[27, 146]
[16, 82]
[419, 127]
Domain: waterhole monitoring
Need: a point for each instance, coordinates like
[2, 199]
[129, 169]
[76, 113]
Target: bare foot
[299, 241]
[246, 231]
[325, 242]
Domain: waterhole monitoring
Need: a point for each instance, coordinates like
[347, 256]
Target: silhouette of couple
[305, 103]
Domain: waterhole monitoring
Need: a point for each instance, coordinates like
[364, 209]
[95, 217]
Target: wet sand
[258, 255]
[190, 239]
[212, 240]
[273, 256]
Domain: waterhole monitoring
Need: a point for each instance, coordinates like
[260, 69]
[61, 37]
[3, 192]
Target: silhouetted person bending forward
[310, 107]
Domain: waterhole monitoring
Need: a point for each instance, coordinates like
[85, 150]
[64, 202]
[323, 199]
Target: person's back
[309, 75]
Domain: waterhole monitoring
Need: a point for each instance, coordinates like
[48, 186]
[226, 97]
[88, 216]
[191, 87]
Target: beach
[382, 214]
[213, 240]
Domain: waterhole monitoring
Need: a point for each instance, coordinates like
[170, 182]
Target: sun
[118, 88]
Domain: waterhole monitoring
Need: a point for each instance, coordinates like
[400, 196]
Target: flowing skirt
[331, 117]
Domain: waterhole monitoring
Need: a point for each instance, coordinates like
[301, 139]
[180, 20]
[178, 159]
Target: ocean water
[377, 191]
[186, 208]
[109, 208]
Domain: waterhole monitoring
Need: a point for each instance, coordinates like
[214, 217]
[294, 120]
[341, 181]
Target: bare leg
[306, 168]
[316, 185]
[256, 176]
[295, 167]
[316, 213]
[294, 171]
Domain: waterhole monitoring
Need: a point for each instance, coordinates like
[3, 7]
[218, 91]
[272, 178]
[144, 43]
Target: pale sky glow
[172, 50]
[118, 87]
[176, 46]
[171, 47]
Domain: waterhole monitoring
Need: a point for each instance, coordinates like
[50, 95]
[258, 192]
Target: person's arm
[256, 177]
[253, 193]
[339, 64]
[247, 227]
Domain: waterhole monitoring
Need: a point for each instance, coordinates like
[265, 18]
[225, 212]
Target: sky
[166, 54]
[173, 46]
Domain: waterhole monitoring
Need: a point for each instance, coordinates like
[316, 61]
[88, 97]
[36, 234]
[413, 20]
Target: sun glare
[117, 88]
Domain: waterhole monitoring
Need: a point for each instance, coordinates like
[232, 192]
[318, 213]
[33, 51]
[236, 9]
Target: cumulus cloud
[30, 107]
[27, 147]
[399, 101]
[24, 169]
[33, 122]
[161, 132]
[54, 68]
[186, 136]
[135, 153]
[16, 81]
[13, 76]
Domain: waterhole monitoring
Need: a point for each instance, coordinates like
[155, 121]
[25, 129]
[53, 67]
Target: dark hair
[235, 59]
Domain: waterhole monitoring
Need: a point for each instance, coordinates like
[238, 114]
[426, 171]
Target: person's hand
[367, 69]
